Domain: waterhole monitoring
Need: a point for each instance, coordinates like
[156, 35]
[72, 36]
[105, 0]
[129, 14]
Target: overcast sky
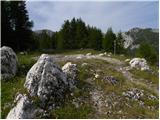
[118, 15]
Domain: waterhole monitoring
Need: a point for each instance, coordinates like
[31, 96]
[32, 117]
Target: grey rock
[134, 94]
[9, 62]
[88, 54]
[23, 53]
[101, 54]
[80, 56]
[23, 110]
[127, 60]
[110, 79]
[139, 63]
[71, 71]
[84, 64]
[152, 97]
[96, 75]
[48, 85]
[46, 80]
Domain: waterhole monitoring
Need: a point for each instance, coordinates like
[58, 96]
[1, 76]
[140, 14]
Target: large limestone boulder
[23, 110]
[71, 71]
[46, 80]
[9, 62]
[139, 63]
[47, 86]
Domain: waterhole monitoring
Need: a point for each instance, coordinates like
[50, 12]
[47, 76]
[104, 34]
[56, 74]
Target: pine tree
[94, 38]
[119, 43]
[81, 34]
[16, 28]
[150, 55]
[65, 35]
[21, 25]
[73, 25]
[7, 31]
[108, 41]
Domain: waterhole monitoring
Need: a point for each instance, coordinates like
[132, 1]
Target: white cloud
[119, 15]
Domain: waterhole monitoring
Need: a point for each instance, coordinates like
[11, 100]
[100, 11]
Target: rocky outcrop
[9, 62]
[135, 36]
[46, 80]
[128, 40]
[23, 110]
[139, 63]
[71, 71]
[46, 85]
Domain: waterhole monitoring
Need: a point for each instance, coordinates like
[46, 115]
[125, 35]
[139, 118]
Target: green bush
[148, 52]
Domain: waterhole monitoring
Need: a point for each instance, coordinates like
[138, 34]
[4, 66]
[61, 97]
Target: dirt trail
[76, 57]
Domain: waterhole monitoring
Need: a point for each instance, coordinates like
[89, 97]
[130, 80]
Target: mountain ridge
[135, 36]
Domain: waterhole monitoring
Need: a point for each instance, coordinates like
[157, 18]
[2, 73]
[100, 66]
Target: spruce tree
[16, 27]
[6, 29]
[119, 43]
[108, 41]
[94, 38]
[21, 25]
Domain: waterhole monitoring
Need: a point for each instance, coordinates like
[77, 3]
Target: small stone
[84, 64]
[101, 54]
[134, 94]
[23, 53]
[79, 56]
[72, 94]
[110, 79]
[88, 54]
[96, 76]
[152, 97]
[127, 60]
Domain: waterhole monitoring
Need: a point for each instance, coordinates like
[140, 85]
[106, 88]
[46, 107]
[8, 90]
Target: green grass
[120, 57]
[145, 75]
[69, 111]
[83, 51]
[137, 111]
[9, 89]
[25, 63]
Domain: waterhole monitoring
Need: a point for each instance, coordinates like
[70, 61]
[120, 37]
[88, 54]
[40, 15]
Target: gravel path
[76, 57]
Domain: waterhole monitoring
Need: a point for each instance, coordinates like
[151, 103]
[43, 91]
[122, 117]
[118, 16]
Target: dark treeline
[75, 34]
